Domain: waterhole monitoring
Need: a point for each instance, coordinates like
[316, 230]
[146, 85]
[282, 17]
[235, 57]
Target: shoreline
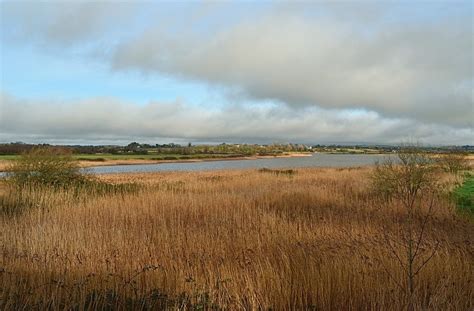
[85, 163]
[115, 162]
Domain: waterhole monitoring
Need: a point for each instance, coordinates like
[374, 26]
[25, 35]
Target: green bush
[464, 195]
[42, 172]
[46, 166]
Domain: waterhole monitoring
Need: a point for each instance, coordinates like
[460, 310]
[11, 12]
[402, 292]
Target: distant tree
[140, 151]
[112, 150]
[133, 145]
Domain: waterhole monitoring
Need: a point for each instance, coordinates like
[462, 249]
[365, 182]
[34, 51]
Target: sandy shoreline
[5, 163]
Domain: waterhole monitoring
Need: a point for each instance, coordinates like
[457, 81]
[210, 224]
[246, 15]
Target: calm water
[316, 160]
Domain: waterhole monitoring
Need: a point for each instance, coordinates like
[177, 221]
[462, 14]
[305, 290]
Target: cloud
[62, 23]
[366, 71]
[112, 120]
[414, 70]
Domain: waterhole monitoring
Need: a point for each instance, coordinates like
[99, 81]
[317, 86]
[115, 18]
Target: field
[237, 240]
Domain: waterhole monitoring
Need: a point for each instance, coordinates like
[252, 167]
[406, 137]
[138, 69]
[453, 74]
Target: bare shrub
[410, 182]
[453, 162]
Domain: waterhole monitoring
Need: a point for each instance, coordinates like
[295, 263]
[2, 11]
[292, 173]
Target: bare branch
[423, 226]
[428, 259]
[387, 239]
[391, 277]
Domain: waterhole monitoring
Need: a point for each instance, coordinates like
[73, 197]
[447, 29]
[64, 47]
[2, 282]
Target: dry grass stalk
[232, 240]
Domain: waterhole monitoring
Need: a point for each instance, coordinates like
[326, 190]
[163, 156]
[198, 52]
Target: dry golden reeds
[235, 240]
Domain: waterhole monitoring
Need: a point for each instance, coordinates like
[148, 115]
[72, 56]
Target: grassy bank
[238, 240]
[108, 156]
[88, 160]
[464, 196]
[156, 156]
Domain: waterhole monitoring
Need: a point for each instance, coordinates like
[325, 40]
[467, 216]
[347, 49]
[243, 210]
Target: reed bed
[314, 239]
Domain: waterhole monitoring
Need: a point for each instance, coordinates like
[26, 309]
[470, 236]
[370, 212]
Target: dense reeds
[312, 239]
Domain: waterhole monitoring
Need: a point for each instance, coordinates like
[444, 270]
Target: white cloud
[109, 119]
[62, 23]
[337, 72]
[414, 71]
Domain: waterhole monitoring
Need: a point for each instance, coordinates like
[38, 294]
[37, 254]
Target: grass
[104, 157]
[235, 240]
[288, 172]
[100, 159]
[19, 201]
[151, 156]
[464, 195]
[9, 157]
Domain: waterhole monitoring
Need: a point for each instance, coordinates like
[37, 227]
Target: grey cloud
[62, 23]
[413, 70]
[317, 62]
[109, 119]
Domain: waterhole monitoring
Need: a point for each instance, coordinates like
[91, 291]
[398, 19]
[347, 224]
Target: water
[315, 160]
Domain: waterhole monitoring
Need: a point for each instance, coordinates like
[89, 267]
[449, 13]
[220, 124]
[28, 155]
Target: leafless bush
[410, 182]
[453, 162]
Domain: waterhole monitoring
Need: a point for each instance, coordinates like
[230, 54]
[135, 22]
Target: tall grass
[236, 240]
[44, 175]
[464, 195]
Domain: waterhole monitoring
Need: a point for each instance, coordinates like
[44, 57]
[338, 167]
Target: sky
[111, 72]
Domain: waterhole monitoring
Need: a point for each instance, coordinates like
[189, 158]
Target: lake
[315, 160]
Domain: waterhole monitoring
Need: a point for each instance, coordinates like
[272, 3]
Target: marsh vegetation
[321, 239]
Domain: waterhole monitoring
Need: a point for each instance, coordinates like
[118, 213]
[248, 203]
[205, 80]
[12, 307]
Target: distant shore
[113, 162]
[99, 161]
[147, 161]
